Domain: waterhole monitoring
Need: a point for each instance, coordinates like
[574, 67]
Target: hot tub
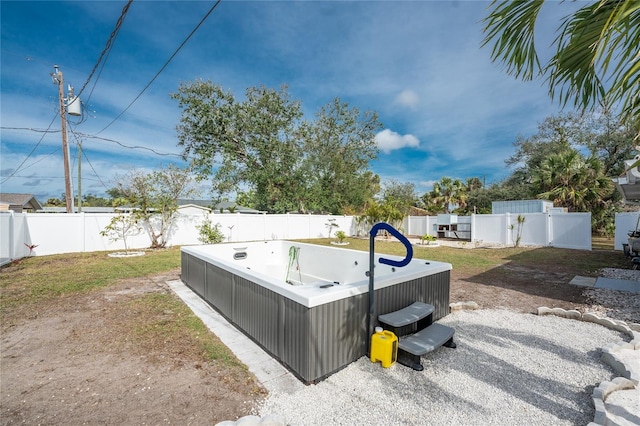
[307, 304]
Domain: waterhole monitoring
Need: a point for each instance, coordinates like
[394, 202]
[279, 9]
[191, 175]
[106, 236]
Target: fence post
[472, 225]
[12, 236]
[83, 224]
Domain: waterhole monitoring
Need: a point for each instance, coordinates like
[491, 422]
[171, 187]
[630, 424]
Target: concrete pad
[583, 281]
[621, 285]
[269, 372]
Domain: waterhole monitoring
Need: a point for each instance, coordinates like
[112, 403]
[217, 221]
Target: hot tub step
[411, 348]
[409, 315]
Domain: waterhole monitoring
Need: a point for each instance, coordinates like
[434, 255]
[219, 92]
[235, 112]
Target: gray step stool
[417, 335]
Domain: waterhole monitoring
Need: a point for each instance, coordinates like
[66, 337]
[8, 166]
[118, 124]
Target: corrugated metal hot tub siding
[312, 342]
[433, 289]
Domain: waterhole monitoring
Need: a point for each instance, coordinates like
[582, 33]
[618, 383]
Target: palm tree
[570, 180]
[597, 59]
[447, 192]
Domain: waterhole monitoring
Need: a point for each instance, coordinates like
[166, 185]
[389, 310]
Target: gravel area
[619, 305]
[621, 274]
[508, 368]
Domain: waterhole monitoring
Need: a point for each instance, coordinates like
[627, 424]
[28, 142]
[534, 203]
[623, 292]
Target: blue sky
[447, 109]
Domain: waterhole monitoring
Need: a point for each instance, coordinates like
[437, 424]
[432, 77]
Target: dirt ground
[60, 365]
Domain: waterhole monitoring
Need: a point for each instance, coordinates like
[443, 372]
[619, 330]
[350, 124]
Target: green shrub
[209, 233]
[340, 235]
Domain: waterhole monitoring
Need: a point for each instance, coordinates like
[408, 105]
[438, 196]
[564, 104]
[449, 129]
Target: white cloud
[407, 98]
[389, 140]
[427, 183]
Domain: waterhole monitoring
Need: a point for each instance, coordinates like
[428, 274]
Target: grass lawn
[32, 284]
[474, 261]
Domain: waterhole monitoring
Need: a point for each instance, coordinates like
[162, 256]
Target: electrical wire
[107, 47]
[32, 151]
[84, 154]
[32, 129]
[166, 64]
[86, 136]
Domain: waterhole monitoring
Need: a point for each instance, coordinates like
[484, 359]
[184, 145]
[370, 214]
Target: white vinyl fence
[625, 223]
[565, 230]
[80, 232]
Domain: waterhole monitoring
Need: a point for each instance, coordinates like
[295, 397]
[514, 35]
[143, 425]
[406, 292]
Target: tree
[474, 198]
[555, 134]
[401, 196]
[154, 197]
[56, 202]
[91, 200]
[571, 181]
[121, 227]
[254, 140]
[447, 192]
[338, 146]
[610, 140]
[596, 58]
[263, 147]
[599, 133]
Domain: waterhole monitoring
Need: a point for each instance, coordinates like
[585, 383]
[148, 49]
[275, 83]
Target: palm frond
[597, 58]
[511, 26]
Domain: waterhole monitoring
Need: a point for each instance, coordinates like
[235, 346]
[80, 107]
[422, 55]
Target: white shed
[521, 206]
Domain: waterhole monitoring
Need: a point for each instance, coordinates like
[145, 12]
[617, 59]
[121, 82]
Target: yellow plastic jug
[384, 347]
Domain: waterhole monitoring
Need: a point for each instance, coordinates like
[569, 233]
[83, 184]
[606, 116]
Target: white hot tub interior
[310, 273]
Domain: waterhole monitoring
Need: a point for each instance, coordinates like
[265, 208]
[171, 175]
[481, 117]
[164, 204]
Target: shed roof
[216, 207]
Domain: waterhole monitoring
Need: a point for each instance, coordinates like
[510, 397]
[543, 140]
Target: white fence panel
[22, 236]
[534, 229]
[302, 226]
[56, 233]
[571, 230]
[489, 228]
[625, 223]
[14, 236]
[6, 237]
[184, 230]
[95, 223]
[420, 225]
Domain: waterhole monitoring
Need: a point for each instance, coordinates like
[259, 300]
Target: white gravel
[508, 369]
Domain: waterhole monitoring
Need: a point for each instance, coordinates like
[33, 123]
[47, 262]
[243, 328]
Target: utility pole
[58, 79]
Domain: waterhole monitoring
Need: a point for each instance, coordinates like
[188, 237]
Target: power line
[84, 154]
[164, 66]
[108, 45]
[32, 151]
[87, 136]
[54, 177]
[129, 146]
[32, 129]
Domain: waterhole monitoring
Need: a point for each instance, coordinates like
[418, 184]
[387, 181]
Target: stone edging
[610, 355]
[600, 395]
[268, 420]
[612, 324]
[459, 306]
[126, 254]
